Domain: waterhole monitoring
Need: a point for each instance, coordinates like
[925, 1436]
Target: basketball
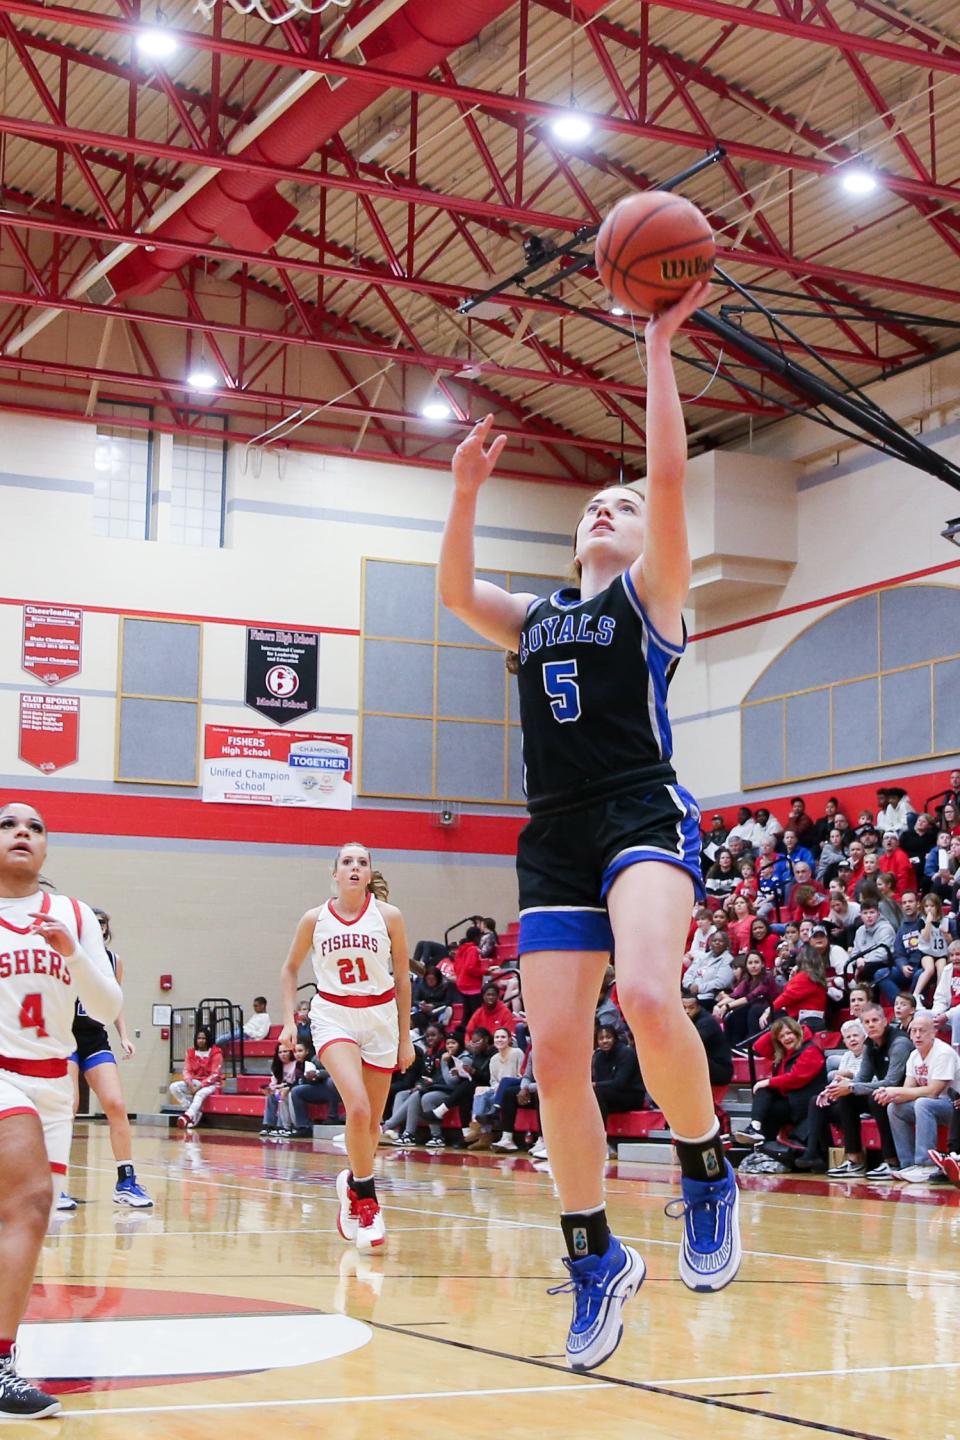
[651, 248]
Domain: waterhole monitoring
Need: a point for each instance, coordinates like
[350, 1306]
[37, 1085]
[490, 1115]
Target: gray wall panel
[808, 733]
[516, 766]
[398, 678]
[906, 714]
[470, 760]
[856, 726]
[399, 600]
[160, 657]
[396, 756]
[946, 682]
[918, 622]
[471, 683]
[763, 758]
[158, 741]
[841, 645]
[450, 628]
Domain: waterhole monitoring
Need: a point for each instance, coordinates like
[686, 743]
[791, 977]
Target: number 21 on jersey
[563, 689]
[352, 969]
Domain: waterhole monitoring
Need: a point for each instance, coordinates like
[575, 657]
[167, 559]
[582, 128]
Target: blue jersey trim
[667, 645]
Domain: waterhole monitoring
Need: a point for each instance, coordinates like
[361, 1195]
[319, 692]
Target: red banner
[49, 730]
[51, 642]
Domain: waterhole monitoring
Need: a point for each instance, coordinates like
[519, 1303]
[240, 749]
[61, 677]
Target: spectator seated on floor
[257, 1027]
[492, 1012]
[713, 1039]
[525, 1097]
[202, 1077]
[804, 997]
[896, 862]
[925, 1099]
[824, 1111]
[505, 1066]
[406, 1115]
[454, 1084]
[315, 1087]
[783, 1098]
[476, 1059]
[617, 1082]
[740, 1008]
[884, 1061]
[285, 1072]
[712, 974]
[433, 999]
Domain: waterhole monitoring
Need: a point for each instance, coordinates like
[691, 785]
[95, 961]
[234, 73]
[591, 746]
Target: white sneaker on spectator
[884, 1171]
[391, 1137]
[347, 1215]
[436, 1142]
[506, 1142]
[538, 1151]
[371, 1231]
[845, 1170]
[916, 1174]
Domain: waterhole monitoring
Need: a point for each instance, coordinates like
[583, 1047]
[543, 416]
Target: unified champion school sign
[273, 767]
[281, 678]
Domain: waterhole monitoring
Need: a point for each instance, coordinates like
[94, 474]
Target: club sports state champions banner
[277, 767]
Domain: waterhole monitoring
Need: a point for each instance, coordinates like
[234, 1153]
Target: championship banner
[271, 767]
[51, 642]
[281, 679]
[49, 730]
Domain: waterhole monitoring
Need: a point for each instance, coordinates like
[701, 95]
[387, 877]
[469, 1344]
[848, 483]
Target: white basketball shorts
[52, 1100]
[374, 1029]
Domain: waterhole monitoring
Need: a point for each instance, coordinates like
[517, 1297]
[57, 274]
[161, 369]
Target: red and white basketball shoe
[347, 1213]
[371, 1231]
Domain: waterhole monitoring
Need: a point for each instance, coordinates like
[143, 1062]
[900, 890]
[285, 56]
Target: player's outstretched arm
[662, 574]
[289, 971]
[492, 612]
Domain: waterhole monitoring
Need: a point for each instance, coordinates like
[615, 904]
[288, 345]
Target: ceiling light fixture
[617, 310]
[571, 127]
[202, 379]
[858, 179]
[156, 42]
[436, 409]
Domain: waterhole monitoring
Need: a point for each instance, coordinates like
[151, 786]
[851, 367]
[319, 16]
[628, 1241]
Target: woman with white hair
[821, 1113]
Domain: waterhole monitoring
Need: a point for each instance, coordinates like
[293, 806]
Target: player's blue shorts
[567, 862]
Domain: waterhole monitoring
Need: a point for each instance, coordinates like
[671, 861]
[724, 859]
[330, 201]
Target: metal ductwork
[248, 212]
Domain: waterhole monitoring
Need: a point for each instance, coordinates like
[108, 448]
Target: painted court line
[939, 1275]
[572, 1388]
[805, 1374]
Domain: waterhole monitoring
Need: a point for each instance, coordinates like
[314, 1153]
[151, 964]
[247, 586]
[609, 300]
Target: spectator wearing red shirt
[763, 940]
[469, 968]
[738, 930]
[806, 901]
[804, 997]
[491, 1013]
[799, 1071]
[896, 862]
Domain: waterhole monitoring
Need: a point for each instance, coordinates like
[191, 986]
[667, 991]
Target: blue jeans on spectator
[891, 981]
[319, 1092]
[485, 1103]
[914, 1125]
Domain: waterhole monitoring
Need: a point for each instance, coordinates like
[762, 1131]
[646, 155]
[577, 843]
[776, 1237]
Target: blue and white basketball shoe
[131, 1192]
[601, 1285]
[710, 1209]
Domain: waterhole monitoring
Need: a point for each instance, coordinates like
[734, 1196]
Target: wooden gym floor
[234, 1307]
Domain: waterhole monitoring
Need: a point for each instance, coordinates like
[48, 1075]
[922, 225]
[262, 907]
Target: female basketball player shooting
[51, 954]
[360, 1018]
[611, 852]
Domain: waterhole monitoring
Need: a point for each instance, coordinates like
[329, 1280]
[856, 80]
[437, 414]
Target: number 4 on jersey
[563, 688]
[31, 1015]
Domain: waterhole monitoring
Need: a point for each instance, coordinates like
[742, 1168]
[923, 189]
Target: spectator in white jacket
[707, 977]
[946, 1000]
[256, 1028]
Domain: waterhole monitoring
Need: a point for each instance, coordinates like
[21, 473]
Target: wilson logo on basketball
[680, 269]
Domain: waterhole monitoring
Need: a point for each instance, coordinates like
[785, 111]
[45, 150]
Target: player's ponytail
[378, 886]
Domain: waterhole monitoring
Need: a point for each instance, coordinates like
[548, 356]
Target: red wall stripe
[157, 817]
[176, 615]
[872, 588]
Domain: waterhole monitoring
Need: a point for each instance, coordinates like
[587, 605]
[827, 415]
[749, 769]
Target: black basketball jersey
[593, 678]
[84, 1023]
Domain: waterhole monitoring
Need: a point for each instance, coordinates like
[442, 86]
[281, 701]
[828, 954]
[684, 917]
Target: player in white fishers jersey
[360, 1018]
[51, 954]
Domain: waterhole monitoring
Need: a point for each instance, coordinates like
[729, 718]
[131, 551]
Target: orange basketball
[651, 248]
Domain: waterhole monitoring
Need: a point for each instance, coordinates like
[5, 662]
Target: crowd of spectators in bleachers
[806, 926]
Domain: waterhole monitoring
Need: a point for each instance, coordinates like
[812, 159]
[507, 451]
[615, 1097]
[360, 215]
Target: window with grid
[439, 716]
[197, 492]
[122, 487]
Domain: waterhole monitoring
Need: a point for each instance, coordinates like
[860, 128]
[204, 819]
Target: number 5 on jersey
[562, 686]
